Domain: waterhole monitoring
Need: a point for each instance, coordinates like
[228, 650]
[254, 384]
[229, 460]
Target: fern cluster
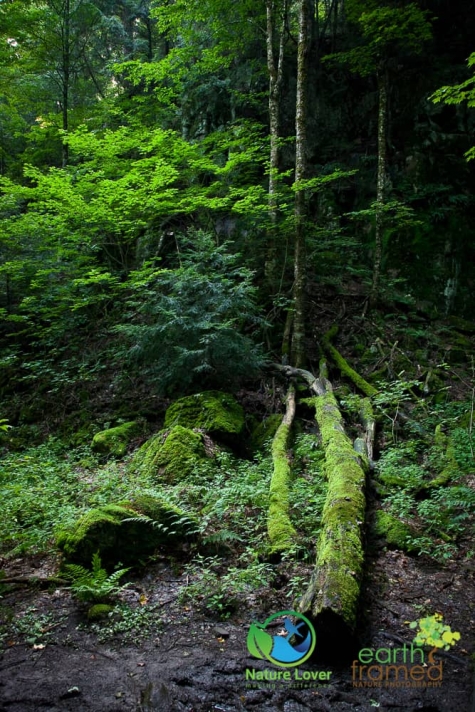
[96, 585]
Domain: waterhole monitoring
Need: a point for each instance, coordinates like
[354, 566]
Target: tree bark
[275, 67]
[298, 338]
[381, 182]
[280, 530]
[66, 57]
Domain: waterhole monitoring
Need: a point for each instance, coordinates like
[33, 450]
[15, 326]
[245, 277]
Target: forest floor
[164, 652]
[170, 657]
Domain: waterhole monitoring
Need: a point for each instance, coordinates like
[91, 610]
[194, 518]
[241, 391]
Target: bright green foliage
[94, 585]
[212, 411]
[170, 455]
[432, 631]
[114, 441]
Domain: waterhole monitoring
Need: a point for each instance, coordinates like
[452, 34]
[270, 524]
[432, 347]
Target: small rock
[72, 692]
[220, 632]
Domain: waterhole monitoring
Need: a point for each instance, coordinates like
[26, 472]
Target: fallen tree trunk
[333, 592]
[279, 527]
[344, 366]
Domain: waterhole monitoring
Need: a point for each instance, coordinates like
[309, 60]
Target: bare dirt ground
[176, 659]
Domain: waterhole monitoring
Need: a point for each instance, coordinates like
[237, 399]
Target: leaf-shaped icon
[259, 643]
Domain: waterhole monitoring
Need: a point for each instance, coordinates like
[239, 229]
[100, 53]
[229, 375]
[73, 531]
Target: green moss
[345, 367]
[265, 431]
[340, 553]
[212, 411]
[170, 454]
[280, 530]
[396, 533]
[127, 532]
[99, 611]
[449, 465]
[114, 441]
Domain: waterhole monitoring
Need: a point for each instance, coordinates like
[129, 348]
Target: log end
[337, 643]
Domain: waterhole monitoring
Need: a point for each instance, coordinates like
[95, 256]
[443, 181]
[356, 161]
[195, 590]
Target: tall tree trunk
[66, 58]
[381, 181]
[275, 68]
[298, 338]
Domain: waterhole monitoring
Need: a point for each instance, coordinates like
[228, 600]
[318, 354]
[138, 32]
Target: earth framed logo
[292, 646]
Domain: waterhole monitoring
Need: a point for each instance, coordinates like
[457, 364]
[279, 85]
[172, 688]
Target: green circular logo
[292, 646]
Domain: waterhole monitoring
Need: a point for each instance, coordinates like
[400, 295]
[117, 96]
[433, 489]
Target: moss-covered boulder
[396, 533]
[215, 412]
[114, 441]
[171, 454]
[128, 532]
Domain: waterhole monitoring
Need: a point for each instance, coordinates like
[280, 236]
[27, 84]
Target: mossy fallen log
[344, 366]
[281, 532]
[449, 468]
[333, 593]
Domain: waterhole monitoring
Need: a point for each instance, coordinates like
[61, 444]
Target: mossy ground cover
[427, 485]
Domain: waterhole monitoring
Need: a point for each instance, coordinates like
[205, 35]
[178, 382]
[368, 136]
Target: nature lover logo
[292, 646]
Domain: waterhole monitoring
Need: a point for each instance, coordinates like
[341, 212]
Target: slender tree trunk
[298, 338]
[381, 182]
[275, 68]
[66, 75]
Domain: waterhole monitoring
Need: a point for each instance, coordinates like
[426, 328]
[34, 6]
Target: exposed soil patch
[175, 659]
